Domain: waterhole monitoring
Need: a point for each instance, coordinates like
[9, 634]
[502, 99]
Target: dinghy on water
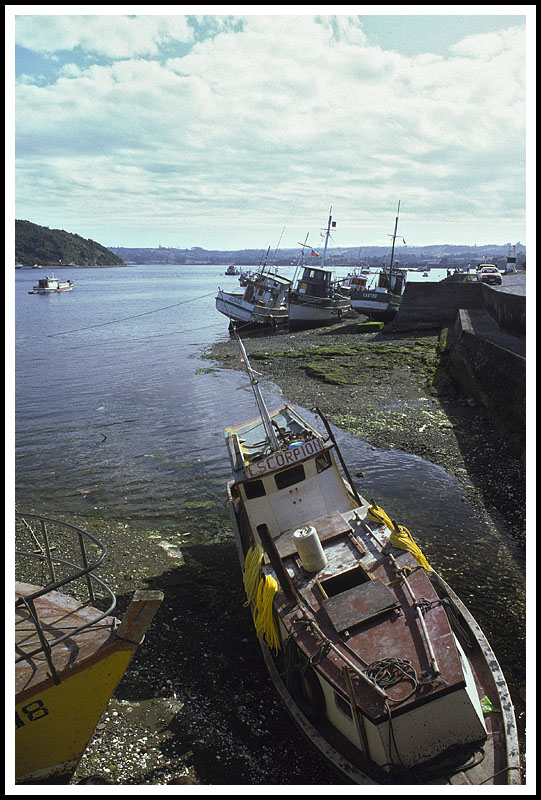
[374, 655]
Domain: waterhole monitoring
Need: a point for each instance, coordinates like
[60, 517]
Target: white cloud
[112, 36]
[270, 114]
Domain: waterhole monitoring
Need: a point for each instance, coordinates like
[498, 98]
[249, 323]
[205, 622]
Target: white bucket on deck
[309, 549]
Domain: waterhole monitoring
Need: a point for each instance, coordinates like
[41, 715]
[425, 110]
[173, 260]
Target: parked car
[489, 273]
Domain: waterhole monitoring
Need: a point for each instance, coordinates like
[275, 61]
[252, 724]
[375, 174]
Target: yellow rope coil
[260, 591]
[400, 536]
[252, 573]
[263, 613]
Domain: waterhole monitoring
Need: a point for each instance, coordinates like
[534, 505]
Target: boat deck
[362, 606]
[59, 616]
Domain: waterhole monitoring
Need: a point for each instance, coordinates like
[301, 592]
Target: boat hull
[312, 314]
[238, 310]
[53, 291]
[377, 306]
[69, 654]
[56, 722]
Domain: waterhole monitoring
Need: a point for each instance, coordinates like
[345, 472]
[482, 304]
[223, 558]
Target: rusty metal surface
[378, 636]
[358, 604]
[58, 614]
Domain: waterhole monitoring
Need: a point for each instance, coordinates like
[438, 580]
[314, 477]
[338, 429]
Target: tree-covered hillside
[35, 244]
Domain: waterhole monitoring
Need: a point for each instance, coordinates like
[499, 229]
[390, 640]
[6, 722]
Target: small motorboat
[374, 655]
[51, 285]
[70, 652]
[232, 270]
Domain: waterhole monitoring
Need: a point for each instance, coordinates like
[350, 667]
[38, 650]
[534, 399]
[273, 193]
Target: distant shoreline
[117, 266]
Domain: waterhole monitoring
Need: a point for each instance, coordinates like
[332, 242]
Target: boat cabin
[266, 290]
[315, 282]
[278, 487]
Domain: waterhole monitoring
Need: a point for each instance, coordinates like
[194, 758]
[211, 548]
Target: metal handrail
[45, 555]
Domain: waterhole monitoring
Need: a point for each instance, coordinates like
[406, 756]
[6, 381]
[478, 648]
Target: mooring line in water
[133, 316]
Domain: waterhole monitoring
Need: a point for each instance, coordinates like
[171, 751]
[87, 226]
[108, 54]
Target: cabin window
[289, 477]
[254, 489]
[343, 705]
[323, 462]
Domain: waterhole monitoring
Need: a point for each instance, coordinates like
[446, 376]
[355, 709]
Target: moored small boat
[70, 652]
[262, 303]
[231, 270]
[50, 285]
[355, 280]
[380, 301]
[377, 659]
[245, 276]
[316, 299]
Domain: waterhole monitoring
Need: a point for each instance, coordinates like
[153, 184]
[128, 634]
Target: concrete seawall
[509, 310]
[435, 305]
[490, 366]
[486, 344]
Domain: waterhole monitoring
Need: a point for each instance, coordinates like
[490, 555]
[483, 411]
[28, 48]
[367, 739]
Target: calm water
[117, 415]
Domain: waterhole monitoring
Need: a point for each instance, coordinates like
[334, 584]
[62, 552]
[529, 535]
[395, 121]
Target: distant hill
[35, 244]
[438, 254]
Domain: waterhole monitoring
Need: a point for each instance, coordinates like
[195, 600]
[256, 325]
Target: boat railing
[52, 555]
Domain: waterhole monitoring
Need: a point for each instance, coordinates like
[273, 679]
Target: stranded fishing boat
[70, 653]
[374, 655]
[316, 300]
[245, 276]
[263, 303]
[381, 301]
[49, 285]
[354, 281]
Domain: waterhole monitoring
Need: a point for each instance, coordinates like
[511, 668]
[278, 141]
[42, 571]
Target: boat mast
[300, 260]
[267, 424]
[263, 262]
[327, 237]
[394, 239]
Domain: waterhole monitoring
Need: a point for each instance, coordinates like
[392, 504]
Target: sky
[230, 127]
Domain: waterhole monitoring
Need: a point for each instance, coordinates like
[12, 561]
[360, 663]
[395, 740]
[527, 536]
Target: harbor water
[117, 415]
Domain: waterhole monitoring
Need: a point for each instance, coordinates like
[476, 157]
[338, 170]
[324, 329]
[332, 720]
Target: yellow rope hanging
[400, 536]
[252, 572]
[260, 591]
[263, 613]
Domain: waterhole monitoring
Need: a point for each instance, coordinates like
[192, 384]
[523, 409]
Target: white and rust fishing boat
[261, 304]
[374, 655]
[70, 652]
[52, 285]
